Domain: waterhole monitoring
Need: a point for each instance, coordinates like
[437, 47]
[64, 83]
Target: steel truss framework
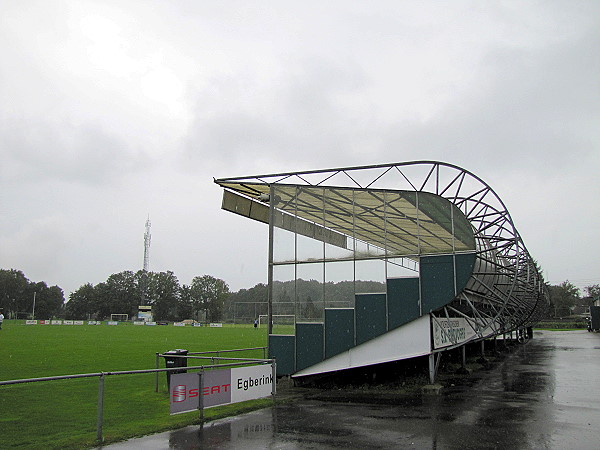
[506, 291]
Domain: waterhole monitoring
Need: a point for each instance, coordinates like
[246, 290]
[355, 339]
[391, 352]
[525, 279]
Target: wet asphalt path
[544, 395]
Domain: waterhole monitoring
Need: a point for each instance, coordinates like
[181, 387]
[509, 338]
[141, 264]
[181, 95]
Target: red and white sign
[220, 387]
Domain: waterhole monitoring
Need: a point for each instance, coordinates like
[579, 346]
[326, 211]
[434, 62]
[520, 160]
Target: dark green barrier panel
[464, 269]
[437, 278]
[403, 301]
[370, 316]
[309, 344]
[339, 331]
[283, 348]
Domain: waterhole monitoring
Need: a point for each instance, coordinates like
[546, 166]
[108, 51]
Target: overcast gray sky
[111, 111]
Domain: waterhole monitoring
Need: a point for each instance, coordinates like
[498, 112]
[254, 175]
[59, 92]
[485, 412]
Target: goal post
[282, 323]
[119, 317]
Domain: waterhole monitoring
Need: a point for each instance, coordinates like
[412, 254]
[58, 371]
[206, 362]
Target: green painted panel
[339, 331]
[464, 269]
[437, 281]
[283, 348]
[403, 301]
[370, 316]
[309, 344]
[437, 278]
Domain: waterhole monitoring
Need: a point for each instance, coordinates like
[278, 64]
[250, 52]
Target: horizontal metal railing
[217, 358]
[217, 352]
[101, 375]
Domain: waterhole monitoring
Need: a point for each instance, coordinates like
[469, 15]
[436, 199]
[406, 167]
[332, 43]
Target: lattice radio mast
[147, 239]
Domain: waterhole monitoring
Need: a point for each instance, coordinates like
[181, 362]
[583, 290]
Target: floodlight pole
[270, 270]
[33, 311]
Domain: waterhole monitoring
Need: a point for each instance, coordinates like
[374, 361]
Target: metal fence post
[100, 408]
[201, 395]
[274, 383]
[156, 375]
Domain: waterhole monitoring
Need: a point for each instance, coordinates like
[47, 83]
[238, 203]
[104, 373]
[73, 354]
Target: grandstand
[437, 238]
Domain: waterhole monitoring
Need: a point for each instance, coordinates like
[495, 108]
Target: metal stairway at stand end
[374, 314]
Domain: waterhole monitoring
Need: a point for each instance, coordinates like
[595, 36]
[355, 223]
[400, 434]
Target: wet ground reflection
[541, 396]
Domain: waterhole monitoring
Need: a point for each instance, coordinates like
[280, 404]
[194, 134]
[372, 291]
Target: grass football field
[63, 414]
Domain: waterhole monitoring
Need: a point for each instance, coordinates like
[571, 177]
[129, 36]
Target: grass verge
[63, 414]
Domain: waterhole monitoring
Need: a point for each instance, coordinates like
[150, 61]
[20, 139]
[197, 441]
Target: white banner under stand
[452, 331]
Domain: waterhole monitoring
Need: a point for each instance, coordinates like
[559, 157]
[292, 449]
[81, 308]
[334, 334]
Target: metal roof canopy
[485, 214]
[447, 208]
[401, 223]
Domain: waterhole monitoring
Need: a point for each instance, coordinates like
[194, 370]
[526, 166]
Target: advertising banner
[451, 331]
[220, 387]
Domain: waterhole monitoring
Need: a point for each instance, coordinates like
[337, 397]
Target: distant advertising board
[31, 322]
[451, 331]
[216, 325]
[178, 324]
[56, 322]
[220, 387]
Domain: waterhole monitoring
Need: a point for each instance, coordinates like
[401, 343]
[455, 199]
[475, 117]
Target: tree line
[121, 293]
[565, 297]
[21, 298]
[124, 292]
[207, 298]
[305, 299]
